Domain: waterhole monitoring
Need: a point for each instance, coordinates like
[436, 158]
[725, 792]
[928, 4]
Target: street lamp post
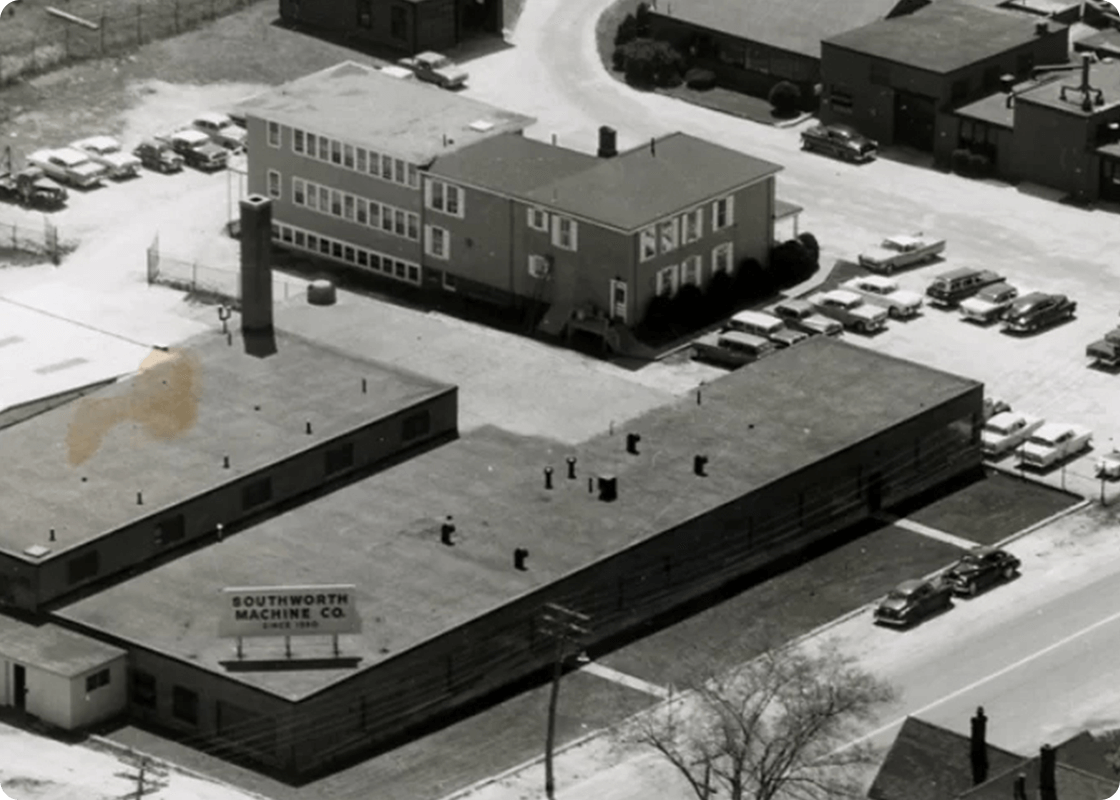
[565, 627]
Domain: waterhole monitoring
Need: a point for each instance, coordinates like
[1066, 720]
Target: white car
[849, 310]
[885, 293]
[1052, 443]
[400, 73]
[896, 252]
[1108, 466]
[1004, 432]
[989, 303]
[67, 165]
[221, 130]
[107, 151]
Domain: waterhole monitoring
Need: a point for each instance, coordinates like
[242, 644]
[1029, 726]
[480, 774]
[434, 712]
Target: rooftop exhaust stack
[698, 465]
[256, 276]
[608, 142]
[1047, 774]
[978, 751]
[571, 467]
[445, 531]
[608, 488]
[1041, 29]
[1019, 788]
[548, 477]
[519, 556]
[653, 147]
[632, 440]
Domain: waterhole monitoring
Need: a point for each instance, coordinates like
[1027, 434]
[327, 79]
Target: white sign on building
[289, 611]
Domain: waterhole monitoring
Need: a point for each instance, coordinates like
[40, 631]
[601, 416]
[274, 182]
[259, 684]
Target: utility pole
[566, 627]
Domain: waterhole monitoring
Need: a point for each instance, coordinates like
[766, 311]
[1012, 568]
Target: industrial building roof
[992, 109]
[1063, 92]
[942, 37]
[797, 26]
[356, 103]
[163, 433]
[650, 182]
[53, 648]
[510, 164]
[382, 533]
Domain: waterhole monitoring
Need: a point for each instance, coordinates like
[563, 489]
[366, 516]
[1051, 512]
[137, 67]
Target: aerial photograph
[540, 400]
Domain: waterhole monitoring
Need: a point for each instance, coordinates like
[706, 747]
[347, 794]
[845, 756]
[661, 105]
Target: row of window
[343, 205]
[359, 159]
[565, 231]
[445, 197]
[664, 237]
[382, 264]
[691, 270]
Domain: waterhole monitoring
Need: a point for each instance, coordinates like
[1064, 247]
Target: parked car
[885, 293]
[766, 326]
[839, 141]
[950, 288]
[896, 252]
[1106, 351]
[801, 315]
[1004, 432]
[981, 568]
[1038, 310]
[731, 348]
[989, 304]
[107, 151]
[30, 187]
[67, 165]
[849, 310]
[1108, 465]
[437, 69]
[402, 73]
[197, 150]
[912, 601]
[158, 156]
[222, 130]
[993, 406]
[1052, 443]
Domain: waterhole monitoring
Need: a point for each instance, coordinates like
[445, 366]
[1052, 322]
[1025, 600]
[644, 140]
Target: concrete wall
[19, 581]
[48, 697]
[104, 702]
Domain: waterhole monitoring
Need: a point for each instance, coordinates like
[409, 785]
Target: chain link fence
[36, 240]
[58, 42]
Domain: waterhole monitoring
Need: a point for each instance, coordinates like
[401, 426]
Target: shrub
[618, 59]
[650, 63]
[751, 282]
[700, 79]
[960, 161]
[627, 30]
[658, 316]
[785, 97]
[791, 262]
[979, 165]
[811, 244]
[720, 294]
[688, 306]
[642, 21]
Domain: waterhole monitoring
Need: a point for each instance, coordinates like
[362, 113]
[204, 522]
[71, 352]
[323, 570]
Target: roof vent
[481, 126]
[36, 550]
[699, 463]
[632, 440]
[1041, 28]
[608, 488]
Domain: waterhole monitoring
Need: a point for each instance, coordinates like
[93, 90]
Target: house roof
[510, 164]
[653, 181]
[412, 120]
[53, 648]
[797, 26]
[1088, 752]
[928, 762]
[942, 37]
[1071, 783]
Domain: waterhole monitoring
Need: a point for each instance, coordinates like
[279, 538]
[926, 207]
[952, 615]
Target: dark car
[197, 150]
[839, 141]
[979, 569]
[158, 156]
[913, 601]
[949, 288]
[1038, 310]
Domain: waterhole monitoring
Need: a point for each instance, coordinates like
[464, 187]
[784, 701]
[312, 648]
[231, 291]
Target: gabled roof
[1088, 752]
[797, 26]
[653, 181]
[927, 762]
[511, 164]
[1071, 783]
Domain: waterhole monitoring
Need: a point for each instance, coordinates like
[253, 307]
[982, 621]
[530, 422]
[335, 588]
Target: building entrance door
[914, 116]
[19, 686]
[1110, 179]
[619, 299]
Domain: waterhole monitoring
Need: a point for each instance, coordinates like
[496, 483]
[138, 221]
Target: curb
[1065, 512]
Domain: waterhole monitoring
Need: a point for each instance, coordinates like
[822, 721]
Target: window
[413, 227]
[398, 23]
[324, 148]
[298, 191]
[184, 705]
[648, 243]
[564, 233]
[274, 134]
[260, 492]
[143, 689]
[721, 258]
[446, 198]
[538, 219]
[348, 254]
[667, 235]
[365, 14]
[959, 90]
[348, 157]
[170, 530]
[362, 212]
[275, 230]
[83, 567]
[667, 281]
[97, 680]
[400, 171]
[336, 202]
[297, 141]
[312, 242]
[723, 213]
[539, 266]
[691, 270]
[437, 242]
[840, 99]
[273, 183]
[399, 268]
[336, 151]
[363, 258]
[336, 249]
[312, 146]
[416, 425]
[449, 282]
[693, 225]
[286, 233]
[387, 167]
[299, 239]
[413, 176]
[348, 206]
[880, 74]
[374, 214]
[325, 246]
[414, 273]
[324, 199]
[387, 219]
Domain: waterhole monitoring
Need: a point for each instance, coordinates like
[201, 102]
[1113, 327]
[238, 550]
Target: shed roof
[53, 648]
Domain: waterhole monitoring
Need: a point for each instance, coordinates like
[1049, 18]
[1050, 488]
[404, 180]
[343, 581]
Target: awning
[782, 209]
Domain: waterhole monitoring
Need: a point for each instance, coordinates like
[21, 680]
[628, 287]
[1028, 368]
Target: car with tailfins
[1004, 432]
[158, 156]
[901, 251]
[222, 130]
[766, 326]
[885, 292]
[1052, 443]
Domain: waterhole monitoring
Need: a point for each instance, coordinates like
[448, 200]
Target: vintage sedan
[222, 130]
[913, 601]
[1052, 443]
[437, 69]
[885, 293]
[1037, 310]
[901, 251]
[839, 141]
[802, 315]
[67, 165]
[850, 310]
[981, 568]
[107, 151]
[989, 304]
[1004, 432]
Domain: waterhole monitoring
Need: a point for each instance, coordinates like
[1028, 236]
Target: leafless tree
[772, 728]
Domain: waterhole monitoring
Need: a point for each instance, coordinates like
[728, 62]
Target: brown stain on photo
[162, 399]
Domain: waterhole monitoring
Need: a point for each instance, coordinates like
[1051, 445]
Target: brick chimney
[608, 142]
[1019, 788]
[978, 751]
[1047, 774]
[256, 276]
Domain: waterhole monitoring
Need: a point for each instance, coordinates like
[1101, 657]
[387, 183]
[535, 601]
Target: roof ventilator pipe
[519, 557]
[548, 477]
[632, 440]
[699, 464]
[608, 488]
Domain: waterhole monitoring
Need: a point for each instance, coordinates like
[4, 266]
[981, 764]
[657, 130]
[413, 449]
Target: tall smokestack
[1047, 774]
[256, 276]
[1086, 59]
[978, 752]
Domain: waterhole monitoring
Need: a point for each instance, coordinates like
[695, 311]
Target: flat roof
[652, 181]
[53, 648]
[511, 164]
[163, 433]
[410, 119]
[941, 37]
[382, 533]
[1103, 76]
[992, 109]
[797, 26]
[783, 209]
[1106, 41]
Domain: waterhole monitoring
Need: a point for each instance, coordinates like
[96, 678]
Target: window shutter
[575, 234]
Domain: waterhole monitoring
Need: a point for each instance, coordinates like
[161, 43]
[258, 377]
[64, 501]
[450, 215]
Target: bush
[751, 282]
[960, 161]
[720, 294]
[811, 244]
[979, 165]
[700, 79]
[659, 315]
[791, 263]
[688, 306]
[618, 59]
[642, 21]
[785, 97]
[627, 30]
[650, 63]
